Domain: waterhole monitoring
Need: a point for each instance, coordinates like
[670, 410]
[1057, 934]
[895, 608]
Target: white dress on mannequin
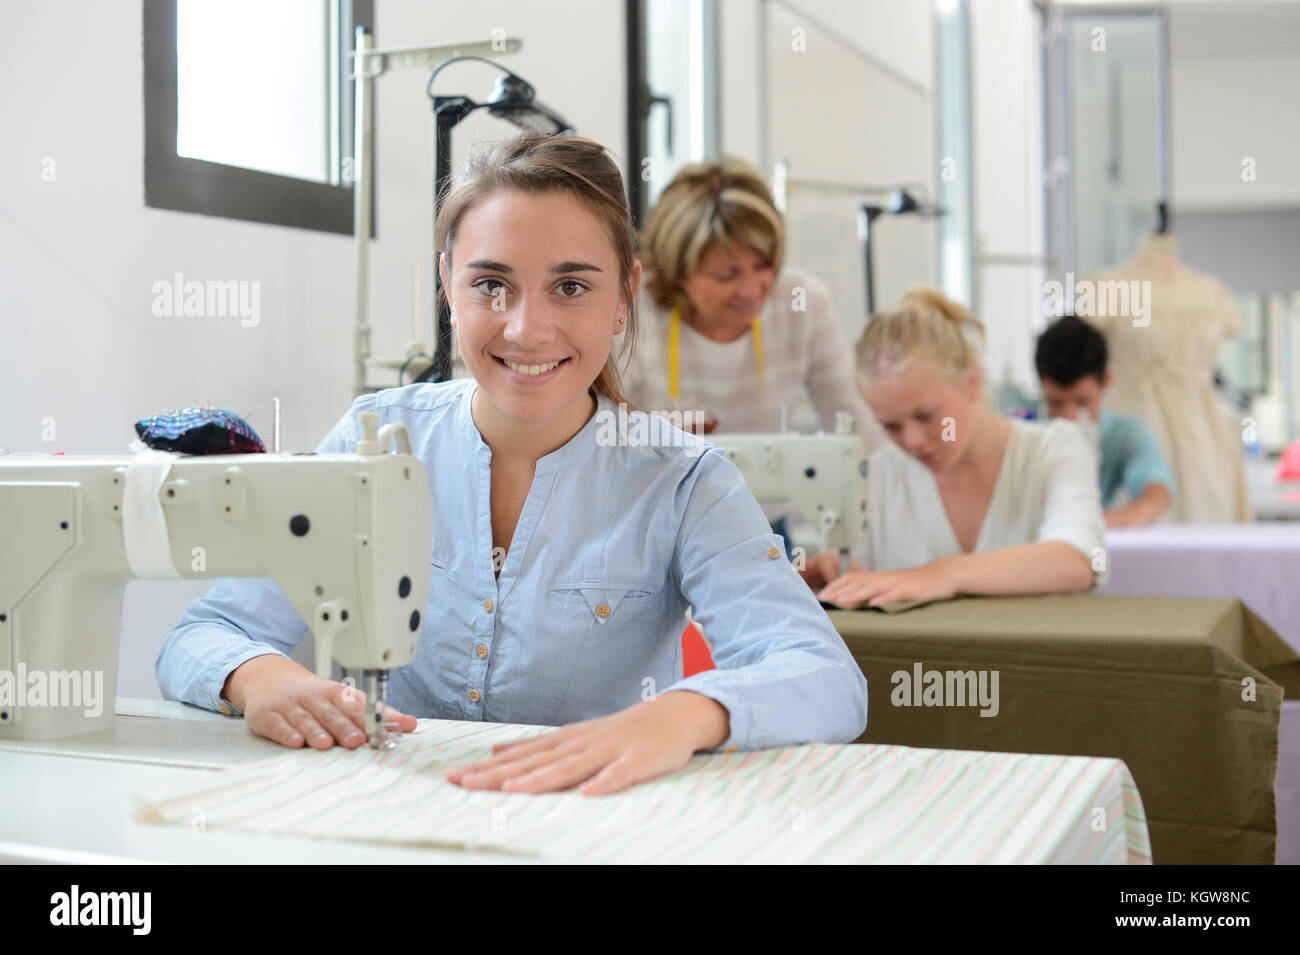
[1164, 373]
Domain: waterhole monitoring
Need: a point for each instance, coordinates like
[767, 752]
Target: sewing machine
[346, 536]
[825, 475]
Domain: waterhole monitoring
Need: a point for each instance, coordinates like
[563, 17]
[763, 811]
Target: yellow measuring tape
[674, 347]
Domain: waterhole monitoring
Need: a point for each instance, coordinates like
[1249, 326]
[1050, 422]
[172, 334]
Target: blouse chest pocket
[601, 602]
[440, 566]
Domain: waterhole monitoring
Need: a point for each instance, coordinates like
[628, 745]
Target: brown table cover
[1187, 691]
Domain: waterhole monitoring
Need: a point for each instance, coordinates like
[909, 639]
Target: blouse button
[487, 605]
[226, 710]
[482, 651]
[473, 696]
[773, 553]
[602, 611]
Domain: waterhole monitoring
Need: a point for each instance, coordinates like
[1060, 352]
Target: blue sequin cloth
[199, 431]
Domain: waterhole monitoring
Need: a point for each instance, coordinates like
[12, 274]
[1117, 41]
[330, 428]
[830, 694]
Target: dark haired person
[1071, 358]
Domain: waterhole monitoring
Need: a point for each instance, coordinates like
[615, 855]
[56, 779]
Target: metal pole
[446, 113]
[364, 129]
[867, 215]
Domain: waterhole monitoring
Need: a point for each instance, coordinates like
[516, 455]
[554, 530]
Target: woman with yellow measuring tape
[728, 332]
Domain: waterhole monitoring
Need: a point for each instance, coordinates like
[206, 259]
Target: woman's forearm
[1150, 504]
[706, 721]
[1040, 567]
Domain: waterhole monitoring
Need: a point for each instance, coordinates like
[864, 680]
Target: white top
[1046, 489]
[805, 357]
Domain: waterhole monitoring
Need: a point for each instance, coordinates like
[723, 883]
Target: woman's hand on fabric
[825, 567]
[607, 754]
[933, 581]
[285, 702]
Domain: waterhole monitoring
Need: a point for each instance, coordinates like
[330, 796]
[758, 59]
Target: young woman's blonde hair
[926, 324]
[723, 201]
[537, 163]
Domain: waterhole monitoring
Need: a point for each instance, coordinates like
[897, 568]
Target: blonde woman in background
[728, 328]
[962, 501]
[730, 334]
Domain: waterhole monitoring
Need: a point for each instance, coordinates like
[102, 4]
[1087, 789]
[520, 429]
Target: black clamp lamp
[512, 99]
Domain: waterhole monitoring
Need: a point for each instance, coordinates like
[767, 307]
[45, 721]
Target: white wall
[895, 35]
[79, 255]
[740, 81]
[898, 36]
[853, 103]
[1234, 72]
[1008, 199]
[836, 115]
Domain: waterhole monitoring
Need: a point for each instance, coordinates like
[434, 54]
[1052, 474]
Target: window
[1262, 363]
[1107, 115]
[248, 109]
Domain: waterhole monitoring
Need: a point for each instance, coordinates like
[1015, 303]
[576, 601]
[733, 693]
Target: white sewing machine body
[346, 536]
[825, 475]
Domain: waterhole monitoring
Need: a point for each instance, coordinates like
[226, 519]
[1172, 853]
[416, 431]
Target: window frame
[705, 116]
[638, 106]
[182, 184]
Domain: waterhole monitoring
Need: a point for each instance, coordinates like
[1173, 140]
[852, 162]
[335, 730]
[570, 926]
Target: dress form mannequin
[1163, 362]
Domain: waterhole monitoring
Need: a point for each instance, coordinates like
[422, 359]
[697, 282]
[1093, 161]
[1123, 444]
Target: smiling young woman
[563, 564]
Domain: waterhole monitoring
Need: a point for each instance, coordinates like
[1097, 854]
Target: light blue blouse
[632, 514]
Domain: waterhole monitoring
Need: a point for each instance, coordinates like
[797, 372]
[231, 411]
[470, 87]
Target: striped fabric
[816, 803]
